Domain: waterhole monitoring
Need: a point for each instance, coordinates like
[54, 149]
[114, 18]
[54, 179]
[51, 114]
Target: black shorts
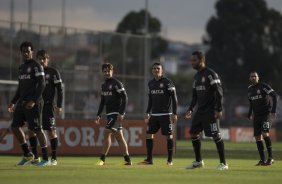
[206, 122]
[112, 122]
[157, 122]
[33, 116]
[48, 117]
[261, 124]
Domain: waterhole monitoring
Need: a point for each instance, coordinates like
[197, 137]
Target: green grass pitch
[241, 158]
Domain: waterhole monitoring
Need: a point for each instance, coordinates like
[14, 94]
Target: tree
[245, 35]
[134, 23]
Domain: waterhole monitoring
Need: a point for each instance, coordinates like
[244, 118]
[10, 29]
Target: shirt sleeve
[194, 98]
[171, 88]
[217, 86]
[149, 105]
[269, 91]
[101, 105]
[124, 99]
[40, 82]
[59, 87]
[16, 97]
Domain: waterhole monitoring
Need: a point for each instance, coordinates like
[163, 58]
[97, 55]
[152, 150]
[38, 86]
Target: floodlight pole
[145, 53]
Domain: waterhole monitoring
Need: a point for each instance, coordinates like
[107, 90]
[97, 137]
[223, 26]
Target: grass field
[241, 158]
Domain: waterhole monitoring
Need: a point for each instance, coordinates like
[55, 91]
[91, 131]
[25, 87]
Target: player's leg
[49, 124]
[265, 133]
[106, 146]
[123, 146]
[152, 128]
[53, 137]
[33, 144]
[195, 130]
[17, 123]
[221, 151]
[212, 129]
[167, 130]
[34, 119]
[257, 125]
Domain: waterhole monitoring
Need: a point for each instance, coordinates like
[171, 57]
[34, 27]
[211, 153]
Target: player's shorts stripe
[111, 113]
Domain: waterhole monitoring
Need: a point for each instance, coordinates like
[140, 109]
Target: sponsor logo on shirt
[107, 93]
[24, 76]
[200, 88]
[157, 91]
[256, 97]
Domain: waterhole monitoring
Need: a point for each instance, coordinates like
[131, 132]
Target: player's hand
[250, 117]
[58, 110]
[11, 107]
[30, 104]
[120, 117]
[97, 120]
[217, 114]
[147, 117]
[174, 118]
[188, 114]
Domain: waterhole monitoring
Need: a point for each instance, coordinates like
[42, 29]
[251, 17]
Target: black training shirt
[260, 103]
[207, 91]
[113, 96]
[31, 82]
[161, 95]
[53, 82]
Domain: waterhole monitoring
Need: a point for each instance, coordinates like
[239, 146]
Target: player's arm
[100, 110]
[216, 84]
[174, 101]
[124, 101]
[250, 110]
[40, 84]
[14, 100]
[193, 102]
[59, 88]
[274, 97]
[149, 107]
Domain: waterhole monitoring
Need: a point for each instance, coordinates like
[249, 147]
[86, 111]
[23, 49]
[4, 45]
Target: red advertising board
[84, 137]
[246, 134]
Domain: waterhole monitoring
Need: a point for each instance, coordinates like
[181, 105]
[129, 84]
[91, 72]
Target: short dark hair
[107, 65]
[200, 55]
[254, 72]
[26, 44]
[42, 53]
[158, 64]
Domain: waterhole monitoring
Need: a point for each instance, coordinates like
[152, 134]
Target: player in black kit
[53, 84]
[207, 94]
[28, 100]
[114, 97]
[162, 106]
[263, 111]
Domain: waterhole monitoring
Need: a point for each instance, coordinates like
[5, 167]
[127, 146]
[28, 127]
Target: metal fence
[78, 55]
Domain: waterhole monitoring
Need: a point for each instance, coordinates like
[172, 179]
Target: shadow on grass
[231, 154]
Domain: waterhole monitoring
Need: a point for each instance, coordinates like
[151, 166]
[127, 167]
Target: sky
[182, 20]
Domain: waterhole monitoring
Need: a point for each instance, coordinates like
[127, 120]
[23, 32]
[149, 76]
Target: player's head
[26, 49]
[157, 70]
[254, 77]
[107, 69]
[43, 57]
[198, 60]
